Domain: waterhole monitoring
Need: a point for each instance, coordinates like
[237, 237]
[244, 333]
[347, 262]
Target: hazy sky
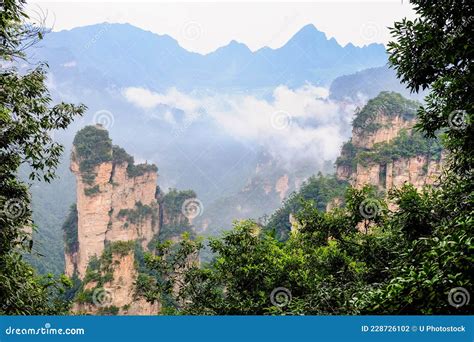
[205, 26]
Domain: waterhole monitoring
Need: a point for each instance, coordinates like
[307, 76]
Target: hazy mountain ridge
[368, 83]
[128, 56]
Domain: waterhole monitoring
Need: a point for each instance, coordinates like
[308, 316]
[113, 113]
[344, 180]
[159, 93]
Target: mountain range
[128, 56]
[231, 173]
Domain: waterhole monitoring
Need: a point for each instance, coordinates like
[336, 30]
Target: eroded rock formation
[385, 151]
[116, 205]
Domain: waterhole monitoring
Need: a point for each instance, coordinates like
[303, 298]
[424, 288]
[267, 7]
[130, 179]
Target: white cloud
[70, 64]
[294, 125]
[147, 99]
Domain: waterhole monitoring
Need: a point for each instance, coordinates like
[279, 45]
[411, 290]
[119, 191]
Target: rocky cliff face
[116, 203]
[388, 128]
[117, 294]
[418, 170]
[104, 214]
[385, 151]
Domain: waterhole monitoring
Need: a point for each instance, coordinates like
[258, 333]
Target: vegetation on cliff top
[319, 189]
[121, 156]
[93, 147]
[389, 104]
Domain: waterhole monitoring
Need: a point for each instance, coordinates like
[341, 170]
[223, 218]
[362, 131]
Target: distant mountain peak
[309, 32]
[234, 47]
[233, 44]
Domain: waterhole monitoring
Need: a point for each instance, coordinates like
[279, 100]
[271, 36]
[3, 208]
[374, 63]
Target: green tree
[315, 271]
[26, 120]
[436, 51]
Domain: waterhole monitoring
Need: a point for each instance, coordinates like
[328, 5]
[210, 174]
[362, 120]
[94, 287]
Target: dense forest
[406, 252]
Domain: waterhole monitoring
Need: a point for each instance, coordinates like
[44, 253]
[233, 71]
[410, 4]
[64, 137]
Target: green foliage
[50, 203]
[92, 191]
[167, 267]
[348, 155]
[173, 201]
[174, 224]
[173, 230]
[403, 264]
[145, 286]
[405, 145]
[140, 169]
[136, 215]
[318, 189]
[70, 231]
[120, 156]
[435, 51]
[390, 104]
[27, 119]
[100, 270]
[71, 292]
[121, 248]
[111, 310]
[92, 147]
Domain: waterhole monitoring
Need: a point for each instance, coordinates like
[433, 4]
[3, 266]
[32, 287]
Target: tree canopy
[27, 119]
